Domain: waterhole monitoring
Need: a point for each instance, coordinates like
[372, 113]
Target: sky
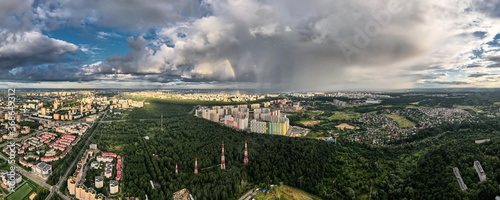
[288, 45]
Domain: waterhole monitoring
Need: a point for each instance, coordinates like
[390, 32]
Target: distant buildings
[371, 101]
[238, 116]
[480, 171]
[339, 103]
[482, 141]
[459, 179]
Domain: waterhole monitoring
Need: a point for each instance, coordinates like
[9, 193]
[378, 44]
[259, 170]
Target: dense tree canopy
[416, 169]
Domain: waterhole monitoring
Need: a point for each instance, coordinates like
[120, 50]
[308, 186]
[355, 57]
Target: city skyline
[248, 44]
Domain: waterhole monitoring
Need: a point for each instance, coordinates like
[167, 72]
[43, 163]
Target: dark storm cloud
[445, 82]
[51, 73]
[130, 15]
[297, 42]
[19, 49]
[480, 75]
[429, 76]
[13, 8]
[494, 58]
[489, 7]
[46, 73]
[301, 44]
[496, 65]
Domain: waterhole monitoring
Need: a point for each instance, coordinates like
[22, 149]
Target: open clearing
[402, 121]
[310, 123]
[285, 192]
[339, 115]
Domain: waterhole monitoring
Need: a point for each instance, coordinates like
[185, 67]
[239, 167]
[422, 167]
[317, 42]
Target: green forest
[420, 168]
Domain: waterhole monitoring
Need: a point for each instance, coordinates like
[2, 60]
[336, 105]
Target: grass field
[496, 103]
[286, 192]
[21, 192]
[310, 123]
[402, 121]
[339, 115]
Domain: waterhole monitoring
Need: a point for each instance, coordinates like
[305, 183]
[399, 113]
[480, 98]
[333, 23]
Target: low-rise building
[94, 165]
[5, 177]
[43, 169]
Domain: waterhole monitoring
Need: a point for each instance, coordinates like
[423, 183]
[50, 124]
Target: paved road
[195, 107]
[247, 194]
[109, 121]
[124, 120]
[63, 178]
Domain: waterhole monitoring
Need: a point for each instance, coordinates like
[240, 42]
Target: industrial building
[480, 171]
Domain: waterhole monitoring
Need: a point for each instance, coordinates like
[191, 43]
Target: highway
[63, 178]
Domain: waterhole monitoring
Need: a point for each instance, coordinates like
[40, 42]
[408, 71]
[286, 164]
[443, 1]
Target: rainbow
[232, 72]
[231, 68]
